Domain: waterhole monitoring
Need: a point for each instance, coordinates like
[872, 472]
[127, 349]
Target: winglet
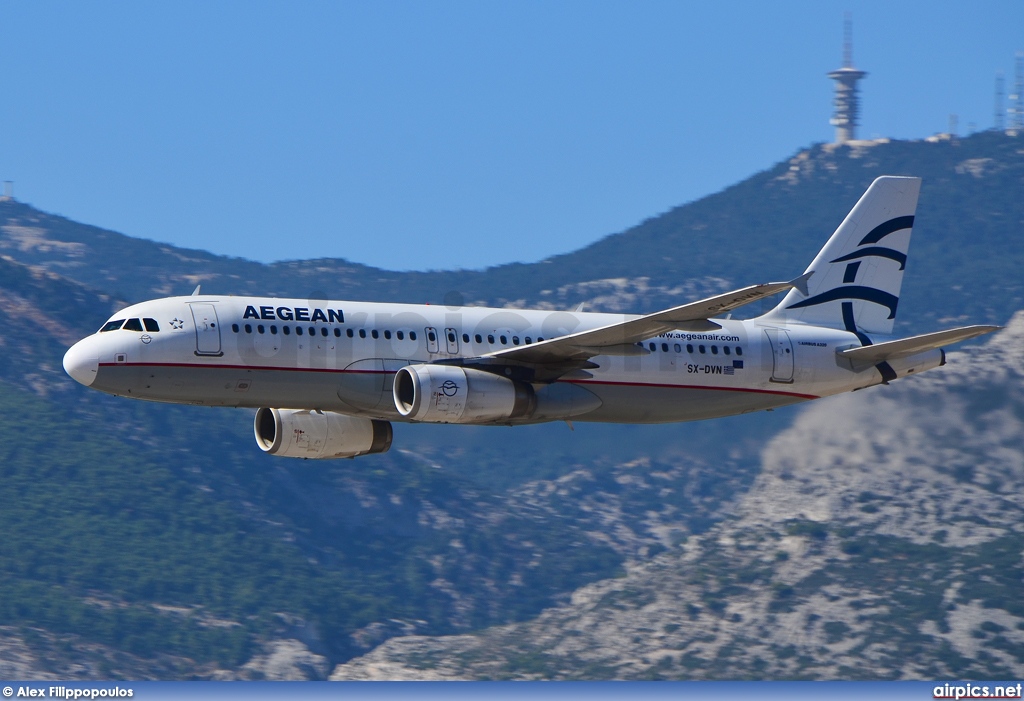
[800, 283]
[196, 291]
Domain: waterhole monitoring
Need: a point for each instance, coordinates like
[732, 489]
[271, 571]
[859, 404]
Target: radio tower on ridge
[847, 101]
[1016, 110]
[998, 123]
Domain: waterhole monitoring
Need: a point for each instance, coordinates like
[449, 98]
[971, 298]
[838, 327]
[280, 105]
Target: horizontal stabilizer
[894, 350]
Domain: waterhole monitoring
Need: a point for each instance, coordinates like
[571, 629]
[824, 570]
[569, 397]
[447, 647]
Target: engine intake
[454, 395]
[293, 433]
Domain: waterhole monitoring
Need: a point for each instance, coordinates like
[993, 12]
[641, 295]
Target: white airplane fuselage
[254, 352]
[327, 378]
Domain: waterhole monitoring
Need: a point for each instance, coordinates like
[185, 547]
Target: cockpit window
[112, 325]
[151, 325]
[132, 325]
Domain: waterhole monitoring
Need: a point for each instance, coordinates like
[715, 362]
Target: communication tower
[1016, 110]
[847, 101]
[998, 123]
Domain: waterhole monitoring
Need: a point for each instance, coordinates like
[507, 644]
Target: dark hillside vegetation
[115, 536]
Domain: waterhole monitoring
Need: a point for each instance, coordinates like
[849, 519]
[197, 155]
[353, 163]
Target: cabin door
[207, 329]
[782, 355]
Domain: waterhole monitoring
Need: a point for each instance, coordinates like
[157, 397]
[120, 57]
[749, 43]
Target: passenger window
[350, 333]
[739, 350]
[132, 325]
[540, 339]
[273, 329]
[362, 333]
[515, 340]
[678, 348]
[490, 338]
[431, 336]
[652, 346]
[312, 331]
[323, 331]
[689, 347]
[287, 330]
[260, 328]
[298, 330]
[112, 325]
[504, 340]
[375, 334]
[387, 335]
[465, 338]
[151, 325]
[714, 350]
[337, 332]
[664, 348]
[479, 338]
[701, 349]
[400, 335]
[528, 341]
[727, 350]
[451, 337]
[248, 328]
[234, 327]
[412, 335]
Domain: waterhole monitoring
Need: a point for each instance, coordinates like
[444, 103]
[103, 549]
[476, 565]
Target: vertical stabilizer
[858, 274]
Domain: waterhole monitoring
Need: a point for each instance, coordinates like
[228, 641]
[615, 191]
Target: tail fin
[858, 274]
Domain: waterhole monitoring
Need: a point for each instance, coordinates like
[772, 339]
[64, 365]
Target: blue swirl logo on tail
[868, 294]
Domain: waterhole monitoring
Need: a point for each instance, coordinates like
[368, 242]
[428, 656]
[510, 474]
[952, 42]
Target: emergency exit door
[431, 339]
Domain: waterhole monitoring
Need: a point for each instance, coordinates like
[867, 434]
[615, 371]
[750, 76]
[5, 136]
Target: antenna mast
[847, 40]
[999, 123]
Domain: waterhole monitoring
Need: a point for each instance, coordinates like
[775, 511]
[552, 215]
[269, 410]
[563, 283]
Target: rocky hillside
[884, 538]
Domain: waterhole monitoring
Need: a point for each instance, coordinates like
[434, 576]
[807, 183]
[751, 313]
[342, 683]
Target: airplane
[327, 378]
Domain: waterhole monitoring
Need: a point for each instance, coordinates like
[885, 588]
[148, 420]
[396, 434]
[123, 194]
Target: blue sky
[439, 135]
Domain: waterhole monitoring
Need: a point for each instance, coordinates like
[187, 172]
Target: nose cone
[82, 361]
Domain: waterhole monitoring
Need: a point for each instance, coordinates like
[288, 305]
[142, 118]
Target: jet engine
[453, 395]
[295, 433]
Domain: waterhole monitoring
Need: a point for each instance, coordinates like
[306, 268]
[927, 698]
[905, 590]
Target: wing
[574, 350]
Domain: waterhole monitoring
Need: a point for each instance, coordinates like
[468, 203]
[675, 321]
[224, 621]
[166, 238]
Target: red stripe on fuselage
[708, 387]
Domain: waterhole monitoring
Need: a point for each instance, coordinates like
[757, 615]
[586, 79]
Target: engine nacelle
[453, 395]
[295, 433]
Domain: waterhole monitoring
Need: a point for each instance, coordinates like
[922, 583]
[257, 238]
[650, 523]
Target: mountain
[153, 541]
[119, 558]
[882, 539]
